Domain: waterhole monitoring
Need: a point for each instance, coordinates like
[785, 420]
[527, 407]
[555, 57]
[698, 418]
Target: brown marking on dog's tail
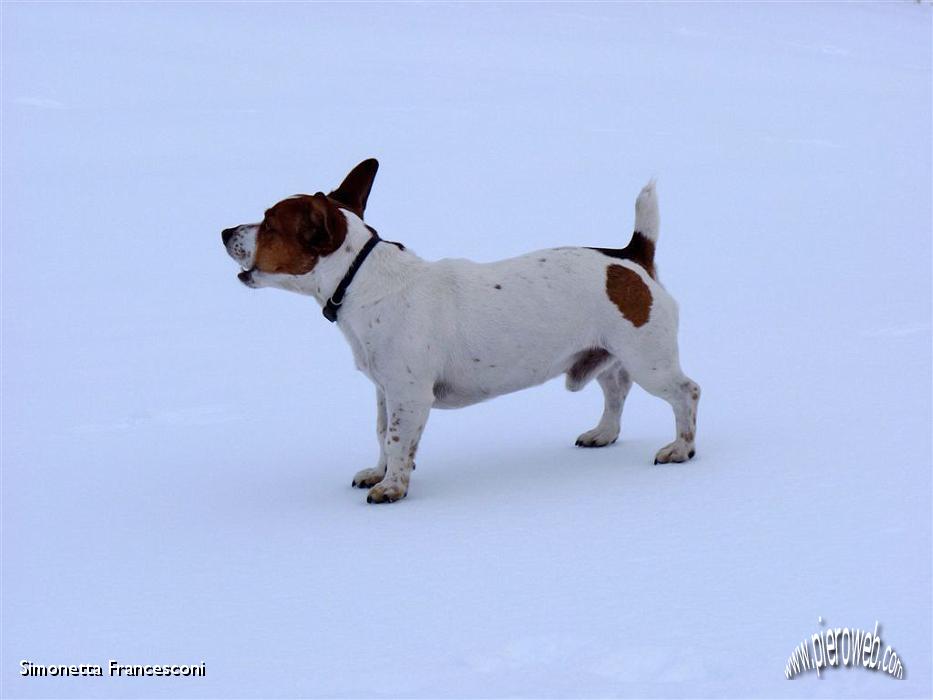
[640, 249]
[645, 235]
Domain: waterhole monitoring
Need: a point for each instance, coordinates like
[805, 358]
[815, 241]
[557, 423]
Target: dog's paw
[677, 451]
[598, 437]
[387, 492]
[366, 478]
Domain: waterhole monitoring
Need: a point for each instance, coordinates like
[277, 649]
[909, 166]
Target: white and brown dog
[452, 333]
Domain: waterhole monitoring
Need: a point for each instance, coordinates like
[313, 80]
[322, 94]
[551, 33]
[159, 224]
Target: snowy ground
[177, 449]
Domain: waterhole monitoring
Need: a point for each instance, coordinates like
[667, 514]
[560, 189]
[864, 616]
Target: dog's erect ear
[354, 190]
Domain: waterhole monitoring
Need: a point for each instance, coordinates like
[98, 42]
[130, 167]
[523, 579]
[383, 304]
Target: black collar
[336, 299]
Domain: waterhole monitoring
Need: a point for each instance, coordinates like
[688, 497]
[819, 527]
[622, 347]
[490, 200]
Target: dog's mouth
[246, 276]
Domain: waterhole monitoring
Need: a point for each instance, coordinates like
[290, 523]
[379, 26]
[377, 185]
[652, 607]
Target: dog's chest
[362, 351]
[370, 333]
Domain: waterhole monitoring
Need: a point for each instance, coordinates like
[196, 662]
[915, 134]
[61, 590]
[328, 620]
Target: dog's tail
[645, 236]
[647, 219]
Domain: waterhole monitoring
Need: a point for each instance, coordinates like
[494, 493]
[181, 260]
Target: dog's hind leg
[366, 478]
[615, 382]
[683, 394]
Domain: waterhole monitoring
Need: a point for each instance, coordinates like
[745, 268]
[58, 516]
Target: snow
[177, 449]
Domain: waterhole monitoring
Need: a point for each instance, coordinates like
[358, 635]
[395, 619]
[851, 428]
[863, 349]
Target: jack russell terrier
[451, 333]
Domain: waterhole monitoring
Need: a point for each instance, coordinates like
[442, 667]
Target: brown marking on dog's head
[297, 232]
[628, 291]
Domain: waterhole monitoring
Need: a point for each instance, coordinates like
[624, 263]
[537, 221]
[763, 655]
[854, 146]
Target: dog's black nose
[227, 234]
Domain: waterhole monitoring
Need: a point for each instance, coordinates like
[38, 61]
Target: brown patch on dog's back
[628, 291]
[298, 231]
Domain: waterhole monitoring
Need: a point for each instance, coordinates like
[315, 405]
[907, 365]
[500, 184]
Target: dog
[452, 333]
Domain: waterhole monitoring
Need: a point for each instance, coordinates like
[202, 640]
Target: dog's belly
[474, 384]
[448, 395]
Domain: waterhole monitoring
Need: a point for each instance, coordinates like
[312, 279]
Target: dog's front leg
[407, 415]
[366, 478]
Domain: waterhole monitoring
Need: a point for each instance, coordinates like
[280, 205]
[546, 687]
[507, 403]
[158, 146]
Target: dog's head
[297, 232]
